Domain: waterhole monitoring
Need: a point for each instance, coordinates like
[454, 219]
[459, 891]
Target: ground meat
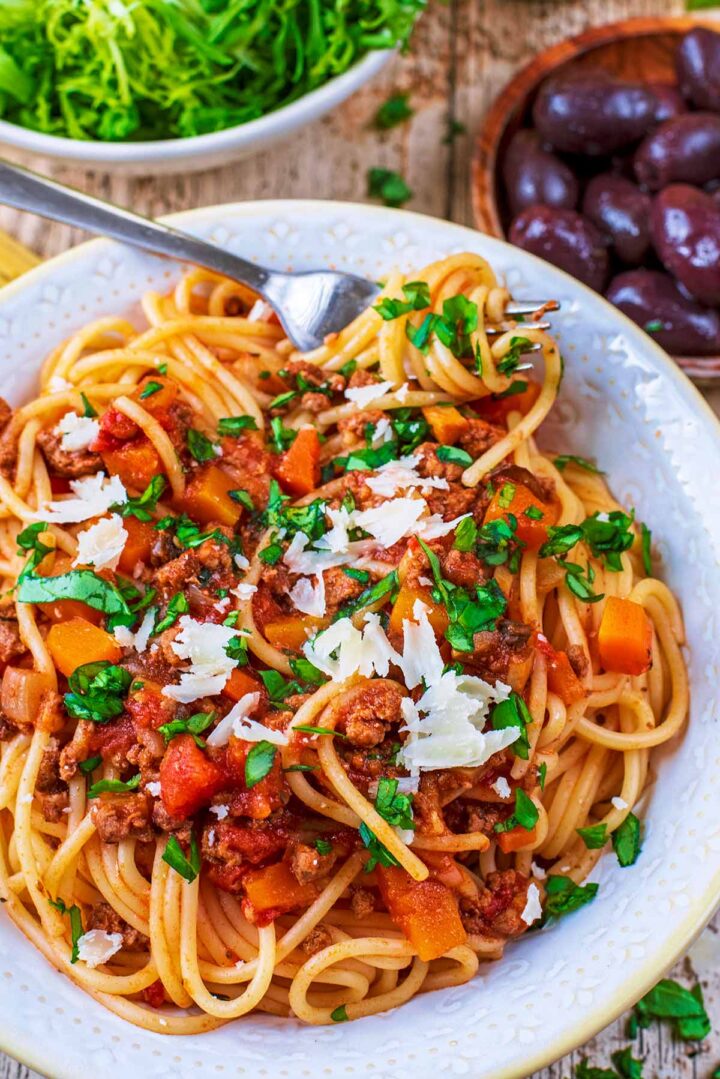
[499, 905]
[542, 488]
[339, 589]
[76, 750]
[69, 463]
[166, 823]
[48, 778]
[250, 464]
[456, 501]
[366, 712]
[199, 572]
[430, 464]
[118, 816]
[53, 805]
[353, 427]
[163, 549]
[312, 375]
[463, 568]
[362, 901]
[578, 660]
[147, 753]
[8, 729]
[318, 938]
[479, 436]
[10, 426]
[308, 864]
[503, 654]
[252, 843]
[11, 643]
[102, 916]
[483, 816]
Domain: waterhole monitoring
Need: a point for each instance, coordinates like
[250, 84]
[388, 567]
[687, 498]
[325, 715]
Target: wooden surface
[463, 52]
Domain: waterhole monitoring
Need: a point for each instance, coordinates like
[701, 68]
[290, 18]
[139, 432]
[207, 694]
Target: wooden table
[462, 53]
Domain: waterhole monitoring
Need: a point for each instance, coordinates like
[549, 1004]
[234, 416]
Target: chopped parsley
[646, 542]
[498, 543]
[655, 325]
[28, 540]
[76, 926]
[360, 575]
[259, 762]
[580, 582]
[278, 688]
[233, 426]
[514, 712]
[393, 111]
[384, 587]
[627, 840]
[594, 836]
[281, 436]
[525, 815]
[684, 1008]
[339, 1015]
[510, 362]
[323, 846]
[114, 786]
[417, 298]
[175, 856]
[396, 809]
[79, 584]
[564, 459]
[563, 896]
[88, 411]
[306, 671]
[194, 725]
[97, 691]
[178, 605]
[283, 399]
[467, 614]
[88, 766]
[466, 535]
[243, 498]
[454, 455]
[388, 186]
[150, 389]
[143, 506]
[200, 446]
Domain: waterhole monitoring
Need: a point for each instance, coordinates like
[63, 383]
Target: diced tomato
[60, 485]
[269, 794]
[136, 463]
[154, 994]
[207, 500]
[148, 707]
[516, 499]
[242, 682]
[426, 911]
[299, 467]
[139, 544]
[113, 739]
[562, 679]
[115, 428]
[188, 778]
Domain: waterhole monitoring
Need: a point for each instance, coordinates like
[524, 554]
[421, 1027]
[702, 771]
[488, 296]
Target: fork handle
[25, 190]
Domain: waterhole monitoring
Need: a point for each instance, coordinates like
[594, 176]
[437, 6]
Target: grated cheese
[392, 520]
[153, 789]
[308, 597]
[398, 475]
[203, 645]
[362, 396]
[537, 871]
[502, 787]
[220, 811]
[101, 544]
[96, 946]
[77, 432]
[342, 650]
[244, 591]
[434, 526]
[533, 906]
[138, 640]
[57, 384]
[382, 432]
[94, 495]
[619, 803]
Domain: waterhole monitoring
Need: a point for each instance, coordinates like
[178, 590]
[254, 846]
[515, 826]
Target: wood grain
[463, 53]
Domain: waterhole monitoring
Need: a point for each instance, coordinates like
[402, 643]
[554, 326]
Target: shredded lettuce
[112, 70]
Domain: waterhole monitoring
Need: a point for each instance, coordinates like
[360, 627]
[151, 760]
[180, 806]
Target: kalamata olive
[590, 112]
[698, 68]
[653, 300]
[685, 149]
[669, 102]
[565, 238]
[534, 176]
[685, 227]
[621, 210]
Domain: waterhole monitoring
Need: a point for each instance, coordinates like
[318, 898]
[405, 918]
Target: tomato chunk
[188, 778]
[562, 680]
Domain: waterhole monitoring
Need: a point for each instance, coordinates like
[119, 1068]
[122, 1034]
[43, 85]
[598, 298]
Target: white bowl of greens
[149, 86]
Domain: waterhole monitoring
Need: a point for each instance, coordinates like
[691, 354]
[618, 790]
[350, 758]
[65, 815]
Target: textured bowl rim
[238, 137]
[701, 911]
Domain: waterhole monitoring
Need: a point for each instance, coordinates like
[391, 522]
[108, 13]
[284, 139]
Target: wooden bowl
[640, 50]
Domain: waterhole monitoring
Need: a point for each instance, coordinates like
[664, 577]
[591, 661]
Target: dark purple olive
[654, 301]
[685, 149]
[565, 238]
[669, 102]
[685, 226]
[533, 175]
[590, 112]
[698, 68]
[622, 211]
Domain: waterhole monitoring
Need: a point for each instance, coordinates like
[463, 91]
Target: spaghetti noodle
[321, 682]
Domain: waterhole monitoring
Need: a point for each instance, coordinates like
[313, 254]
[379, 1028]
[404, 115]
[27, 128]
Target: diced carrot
[63, 610]
[188, 778]
[292, 631]
[446, 423]
[517, 499]
[405, 603]
[158, 400]
[426, 911]
[561, 678]
[240, 683]
[136, 463]
[274, 888]
[78, 641]
[138, 545]
[496, 409]
[299, 467]
[207, 500]
[21, 694]
[516, 839]
[625, 637]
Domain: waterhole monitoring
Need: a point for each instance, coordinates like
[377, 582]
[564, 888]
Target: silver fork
[310, 305]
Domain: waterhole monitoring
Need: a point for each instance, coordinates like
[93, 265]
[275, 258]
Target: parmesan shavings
[619, 803]
[139, 639]
[342, 650]
[362, 396]
[502, 787]
[445, 726]
[77, 432]
[309, 598]
[101, 544]
[392, 520]
[382, 432]
[238, 722]
[96, 946]
[220, 811]
[244, 591]
[533, 906]
[398, 475]
[434, 526]
[153, 788]
[203, 645]
[94, 495]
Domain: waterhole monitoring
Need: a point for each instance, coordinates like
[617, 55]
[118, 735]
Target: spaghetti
[321, 682]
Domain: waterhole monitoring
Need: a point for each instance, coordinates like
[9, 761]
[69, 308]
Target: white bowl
[199, 151]
[624, 402]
